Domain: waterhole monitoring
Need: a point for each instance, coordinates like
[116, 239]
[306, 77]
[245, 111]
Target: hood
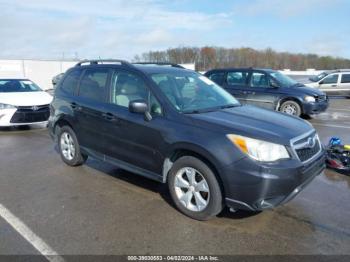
[26, 98]
[308, 90]
[256, 123]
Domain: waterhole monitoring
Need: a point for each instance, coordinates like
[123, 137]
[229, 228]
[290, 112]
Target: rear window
[345, 78]
[217, 77]
[71, 81]
[93, 84]
[237, 78]
[13, 86]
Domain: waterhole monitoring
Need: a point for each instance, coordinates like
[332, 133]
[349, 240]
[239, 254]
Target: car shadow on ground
[153, 186]
[14, 128]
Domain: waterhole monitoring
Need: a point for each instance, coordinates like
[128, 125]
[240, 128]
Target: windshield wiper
[297, 84]
[206, 110]
[228, 106]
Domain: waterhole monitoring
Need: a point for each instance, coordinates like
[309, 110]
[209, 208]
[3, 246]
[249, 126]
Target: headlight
[258, 149]
[310, 99]
[6, 106]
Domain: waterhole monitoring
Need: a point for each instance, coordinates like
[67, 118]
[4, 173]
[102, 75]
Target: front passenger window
[332, 79]
[128, 87]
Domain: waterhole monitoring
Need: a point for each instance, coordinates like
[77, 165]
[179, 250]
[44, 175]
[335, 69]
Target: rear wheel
[194, 188]
[291, 108]
[69, 147]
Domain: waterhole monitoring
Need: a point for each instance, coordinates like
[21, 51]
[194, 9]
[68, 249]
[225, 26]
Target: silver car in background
[333, 83]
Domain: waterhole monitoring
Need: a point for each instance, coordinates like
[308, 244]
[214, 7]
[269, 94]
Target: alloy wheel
[192, 189]
[67, 146]
[289, 109]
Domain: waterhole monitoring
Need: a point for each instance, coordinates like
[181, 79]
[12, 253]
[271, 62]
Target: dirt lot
[100, 209]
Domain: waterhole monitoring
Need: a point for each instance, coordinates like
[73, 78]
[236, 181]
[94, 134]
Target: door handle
[333, 85]
[75, 106]
[109, 116]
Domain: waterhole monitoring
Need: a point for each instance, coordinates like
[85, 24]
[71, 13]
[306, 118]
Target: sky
[123, 28]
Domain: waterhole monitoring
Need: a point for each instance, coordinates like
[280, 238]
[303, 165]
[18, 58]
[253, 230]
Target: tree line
[207, 57]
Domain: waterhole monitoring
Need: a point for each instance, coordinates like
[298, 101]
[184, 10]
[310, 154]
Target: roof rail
[102, 61]
[160, 63]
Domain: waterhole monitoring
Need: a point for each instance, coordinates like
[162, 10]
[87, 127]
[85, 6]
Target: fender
[186, 146]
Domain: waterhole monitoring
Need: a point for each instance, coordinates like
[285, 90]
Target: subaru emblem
[311, 142]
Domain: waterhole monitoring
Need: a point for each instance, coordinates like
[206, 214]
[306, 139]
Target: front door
[330, 84]
[129, 137]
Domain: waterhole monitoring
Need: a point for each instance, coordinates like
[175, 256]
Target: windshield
[318, 77]
[191, 92]
[284, 80]
[11, 86]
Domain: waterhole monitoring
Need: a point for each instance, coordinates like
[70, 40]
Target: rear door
[236, 83]
[344, 85]
[330, 84]
[260, 92]
[89, 107]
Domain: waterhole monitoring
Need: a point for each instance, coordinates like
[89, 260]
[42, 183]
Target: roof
[12, 79]
[154, 69]
[242, 68]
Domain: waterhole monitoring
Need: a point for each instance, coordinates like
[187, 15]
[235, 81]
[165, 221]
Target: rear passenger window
[217, 77]
[93, 84]
[259, 80]
[345, 78]
[71, 81]
[237, 78]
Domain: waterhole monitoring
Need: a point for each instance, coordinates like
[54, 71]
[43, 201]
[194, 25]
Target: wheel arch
[181, 150]
[290, 98]
[62, 121]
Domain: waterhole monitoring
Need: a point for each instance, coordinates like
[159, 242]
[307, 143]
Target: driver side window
[128, 87]
[332, 79]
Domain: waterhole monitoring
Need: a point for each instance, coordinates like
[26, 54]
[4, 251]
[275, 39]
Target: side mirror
[140, 107]
[274, 84]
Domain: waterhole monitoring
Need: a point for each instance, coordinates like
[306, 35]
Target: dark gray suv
[178, 127]
[270, 89]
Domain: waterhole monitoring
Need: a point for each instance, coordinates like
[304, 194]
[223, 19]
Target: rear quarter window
[217, 77]
[70, 82]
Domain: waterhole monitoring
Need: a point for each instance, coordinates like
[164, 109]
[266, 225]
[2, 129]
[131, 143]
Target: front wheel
[291, 108]
[69, 147]
[194, 188]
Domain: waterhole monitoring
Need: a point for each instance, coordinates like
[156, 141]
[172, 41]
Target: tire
[69, 148]
[205, 187]
[291, 107]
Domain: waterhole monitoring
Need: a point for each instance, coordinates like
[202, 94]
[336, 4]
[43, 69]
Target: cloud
[283, 8]
[46, 29]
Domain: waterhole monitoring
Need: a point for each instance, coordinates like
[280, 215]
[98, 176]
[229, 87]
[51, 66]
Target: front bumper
[315, 108]
[252, 186]
[17, 117]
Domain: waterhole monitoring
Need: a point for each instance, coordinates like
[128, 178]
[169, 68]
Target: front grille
[305, 154]
[307, 147]
[31, 114]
